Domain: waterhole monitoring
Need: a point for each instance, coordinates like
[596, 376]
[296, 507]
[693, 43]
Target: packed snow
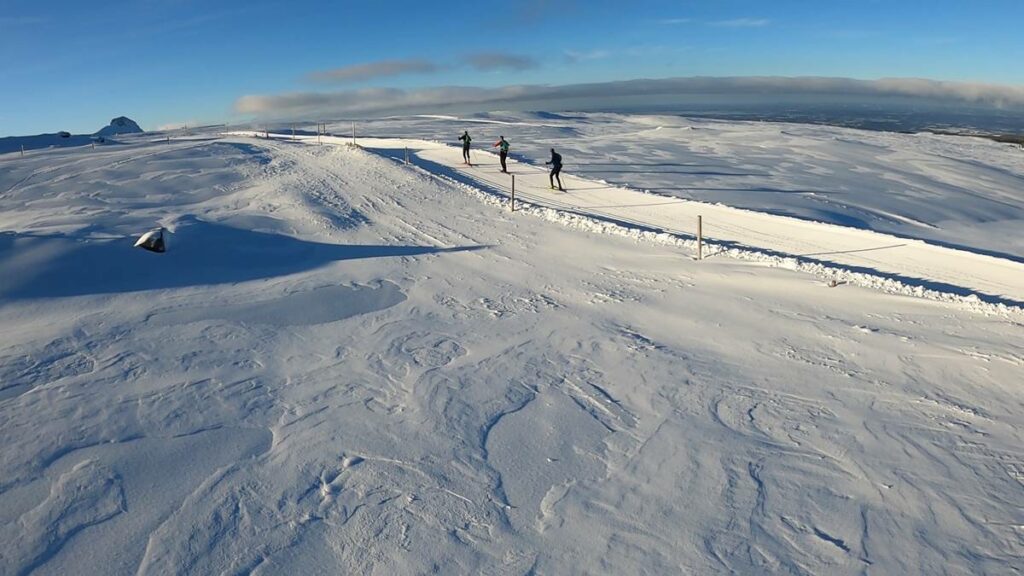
[344, 363]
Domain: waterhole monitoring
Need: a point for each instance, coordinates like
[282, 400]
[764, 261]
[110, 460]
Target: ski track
[553, 402]
[990, 284]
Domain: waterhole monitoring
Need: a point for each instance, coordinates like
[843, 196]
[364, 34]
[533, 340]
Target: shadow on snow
[200, 253]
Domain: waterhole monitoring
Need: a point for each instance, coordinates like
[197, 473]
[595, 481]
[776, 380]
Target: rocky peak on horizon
[120, 125]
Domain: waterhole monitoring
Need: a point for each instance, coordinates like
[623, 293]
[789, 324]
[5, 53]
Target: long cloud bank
[391, 100]
[373, 70]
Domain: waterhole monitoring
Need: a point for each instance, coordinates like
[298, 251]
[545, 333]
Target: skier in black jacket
[465, 146]
[502, 146]
[556, 169]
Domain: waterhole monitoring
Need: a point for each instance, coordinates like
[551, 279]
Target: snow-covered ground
[844, 254]
[348, 365]
[957, 191]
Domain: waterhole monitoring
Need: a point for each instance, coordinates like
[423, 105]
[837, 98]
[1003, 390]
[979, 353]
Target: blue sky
[74, 65]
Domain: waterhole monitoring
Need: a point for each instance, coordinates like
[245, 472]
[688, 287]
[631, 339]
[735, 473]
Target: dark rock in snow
[153, 241]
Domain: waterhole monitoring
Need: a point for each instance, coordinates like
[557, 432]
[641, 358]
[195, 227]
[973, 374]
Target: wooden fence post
[700, 239]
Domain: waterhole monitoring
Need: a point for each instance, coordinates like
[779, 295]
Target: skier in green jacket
[502, 146]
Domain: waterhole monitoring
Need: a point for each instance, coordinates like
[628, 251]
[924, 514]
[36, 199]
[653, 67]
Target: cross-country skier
[556, 169]
[502, 145]
[465, 146]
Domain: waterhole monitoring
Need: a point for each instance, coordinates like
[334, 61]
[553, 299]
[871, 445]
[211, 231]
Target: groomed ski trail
[865, 257]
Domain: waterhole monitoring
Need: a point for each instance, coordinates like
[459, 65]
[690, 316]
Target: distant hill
[120, 125]
[57, 140]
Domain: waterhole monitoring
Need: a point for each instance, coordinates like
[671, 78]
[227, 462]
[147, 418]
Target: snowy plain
[346, 364]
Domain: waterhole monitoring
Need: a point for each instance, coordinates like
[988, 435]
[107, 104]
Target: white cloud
[490, 61]
[389, 100]
[370, 70]
[675, 21]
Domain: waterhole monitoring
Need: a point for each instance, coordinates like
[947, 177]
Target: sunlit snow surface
[960, 191]
[347, 365]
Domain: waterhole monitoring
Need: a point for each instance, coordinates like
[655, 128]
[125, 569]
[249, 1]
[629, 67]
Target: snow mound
[120, 125]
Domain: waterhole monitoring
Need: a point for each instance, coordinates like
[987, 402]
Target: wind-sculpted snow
[87, 495]
[344, 365]
[317, 306]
